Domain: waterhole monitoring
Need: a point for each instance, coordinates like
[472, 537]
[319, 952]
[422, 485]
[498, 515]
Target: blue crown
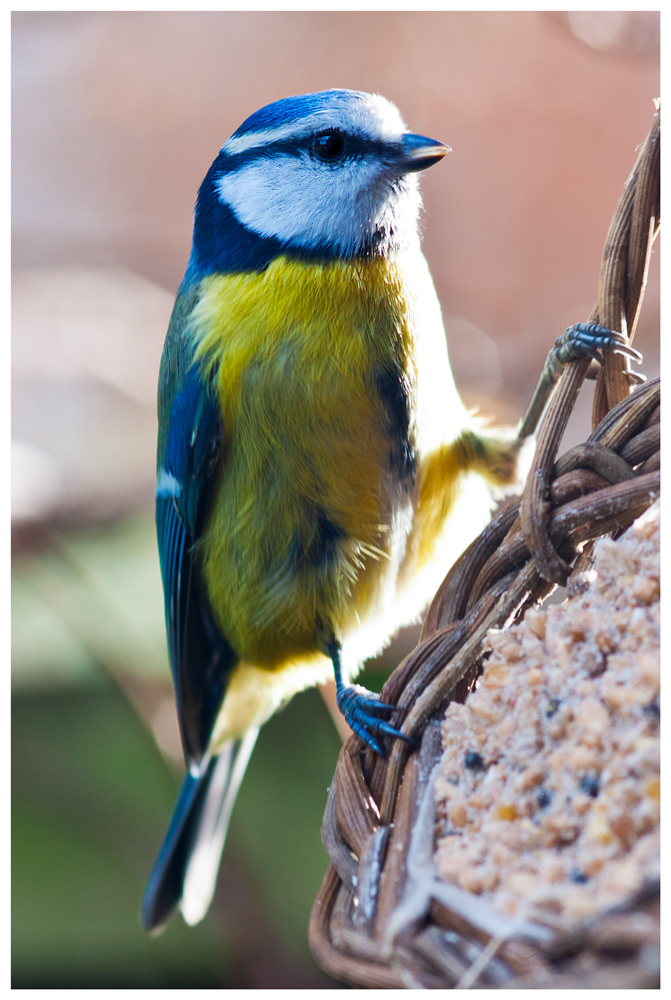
[291, 109]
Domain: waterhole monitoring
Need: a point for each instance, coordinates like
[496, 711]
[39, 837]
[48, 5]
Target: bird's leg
[583, 340]
[360, 707]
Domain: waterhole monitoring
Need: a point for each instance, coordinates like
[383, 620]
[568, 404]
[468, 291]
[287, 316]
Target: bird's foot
[580, 341]
[585, 340]
[362, 710]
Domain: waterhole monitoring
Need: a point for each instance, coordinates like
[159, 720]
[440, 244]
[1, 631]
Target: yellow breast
[313, 518]
[303, 524]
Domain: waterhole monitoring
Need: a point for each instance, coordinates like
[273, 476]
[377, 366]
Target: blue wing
[200, 656]
[190, 435]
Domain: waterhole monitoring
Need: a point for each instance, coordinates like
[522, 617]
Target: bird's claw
[587, 339]
[361, 709]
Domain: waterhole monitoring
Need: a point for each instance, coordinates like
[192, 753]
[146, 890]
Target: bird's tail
[186, 868]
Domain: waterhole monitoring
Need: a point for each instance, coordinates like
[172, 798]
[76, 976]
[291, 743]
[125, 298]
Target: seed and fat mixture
[548, 793]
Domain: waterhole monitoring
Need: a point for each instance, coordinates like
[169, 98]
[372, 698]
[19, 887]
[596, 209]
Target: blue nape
[221, 244]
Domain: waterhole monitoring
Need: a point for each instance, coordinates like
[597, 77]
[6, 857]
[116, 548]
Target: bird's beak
[419, 152]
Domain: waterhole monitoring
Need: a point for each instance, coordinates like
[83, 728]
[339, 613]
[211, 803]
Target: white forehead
[370, 115]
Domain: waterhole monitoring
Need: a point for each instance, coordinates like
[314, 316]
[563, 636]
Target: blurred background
[116, 118]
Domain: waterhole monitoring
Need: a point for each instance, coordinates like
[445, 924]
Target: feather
[188, 861]
[208, 844]
[200, 656]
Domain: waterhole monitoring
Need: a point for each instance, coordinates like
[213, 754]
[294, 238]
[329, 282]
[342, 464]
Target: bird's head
[331, 173]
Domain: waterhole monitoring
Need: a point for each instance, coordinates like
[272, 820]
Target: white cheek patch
[298, 201]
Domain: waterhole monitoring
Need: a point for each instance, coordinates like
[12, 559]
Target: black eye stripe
[357, 146]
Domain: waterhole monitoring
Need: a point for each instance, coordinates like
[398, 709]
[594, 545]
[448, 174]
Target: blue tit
[317, 472]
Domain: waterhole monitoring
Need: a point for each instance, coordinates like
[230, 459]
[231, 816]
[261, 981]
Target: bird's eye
[329, 146]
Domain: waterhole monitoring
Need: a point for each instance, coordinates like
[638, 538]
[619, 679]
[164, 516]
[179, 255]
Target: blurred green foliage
[92, 793]
[89, 792]
[91, 801]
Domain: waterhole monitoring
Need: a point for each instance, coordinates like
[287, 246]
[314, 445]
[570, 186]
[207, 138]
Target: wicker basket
[382, 918]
